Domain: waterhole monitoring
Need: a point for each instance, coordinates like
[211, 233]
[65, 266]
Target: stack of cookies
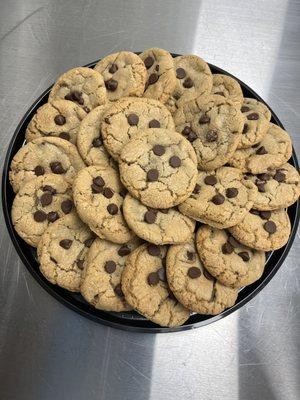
[148, 183]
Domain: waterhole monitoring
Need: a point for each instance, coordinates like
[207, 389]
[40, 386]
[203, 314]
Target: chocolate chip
[65, 243]
[227, 248]
[260, 186]
[186, 131]
[231, 193]
[66, 206]
[244, 256]
[162, 274]
[132, 119]
[152, 175]
[252, 117]
[210, 180]
[118, 290]
[153, 78]
[96, 189]
[270, 227]
[180, 73]
[265, 214]
[175, 162]
[218, 199]
[220, 93]
[153, 250]
[254, 212]
[40, 216]
[208, 275]
[112, 209]
[194, 272]
[124, 250]
[59, 119]
[245, 109]
[111, 85]
[86, 109]
[99, 181]
[196, 189]
[46, 199]
[192, 136]
[80, 264]
[204, 119]
[52, 216]
[123, 192]
[108, 193]
[57, 168]
[64, 135]
[110, 266]
[150, 217]
[68, 96]
[261, 150]
[176, 96]
[113, 68]
[154, 124]
[77, 96]
[279, 176]
[246, 127]
[191, 255]
[188, 83]
[211, 135]
[232, 241]
[107, 120]
[157, 68]
[39, 170]
[264, 177]
[158, 150]
[97, 142]
[148, 62]
[88, 242]
[153, 278]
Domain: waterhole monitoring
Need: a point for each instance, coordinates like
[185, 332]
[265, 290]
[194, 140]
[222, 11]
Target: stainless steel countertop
[49, 352]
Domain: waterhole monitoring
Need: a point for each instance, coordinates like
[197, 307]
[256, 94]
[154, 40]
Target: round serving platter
[132, 321]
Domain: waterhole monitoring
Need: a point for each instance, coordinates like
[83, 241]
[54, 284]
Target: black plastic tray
[131, 321]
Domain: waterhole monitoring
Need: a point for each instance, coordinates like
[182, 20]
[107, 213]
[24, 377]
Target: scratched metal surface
[48, 351]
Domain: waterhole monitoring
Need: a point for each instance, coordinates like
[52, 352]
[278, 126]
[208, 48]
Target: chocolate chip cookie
[60, 118]
[161, 78]
[159, 167]
[278, 188]
[263, 230]
[62, 252]
[44, 155]
[257, 122]
[274, 150]
[98, 198]
[214, 127]
[146, 289]
[193, 79]
[220, 198]
[124, 74]
[40, 202]
[129, 115]
[83, 85]
[226, 259]
[101, 285]
[224, 85]
[192, 285]
[164, 226]
[89, 139]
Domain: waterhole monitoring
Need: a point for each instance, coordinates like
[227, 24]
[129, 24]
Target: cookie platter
[131, 320]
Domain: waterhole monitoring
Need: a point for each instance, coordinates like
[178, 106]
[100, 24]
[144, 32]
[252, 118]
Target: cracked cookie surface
[62, 251]
[274, 150]
[192, 285]
[257, 121]
[220, 198]
[159, 167]
[157, 226]
[44, 155]
[124, 74]
[161, 78]
[230, 262]
[278, 188]
[40, 202]
[213, 125]
[60, 118]
[90, 141]
[228, 87]
[145, 287]
[263, 230]
[193, 79]
[83, 85]
[98, 198]
[128, 115]
[101, 285]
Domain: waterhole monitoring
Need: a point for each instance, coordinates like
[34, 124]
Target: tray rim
[108, 318]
